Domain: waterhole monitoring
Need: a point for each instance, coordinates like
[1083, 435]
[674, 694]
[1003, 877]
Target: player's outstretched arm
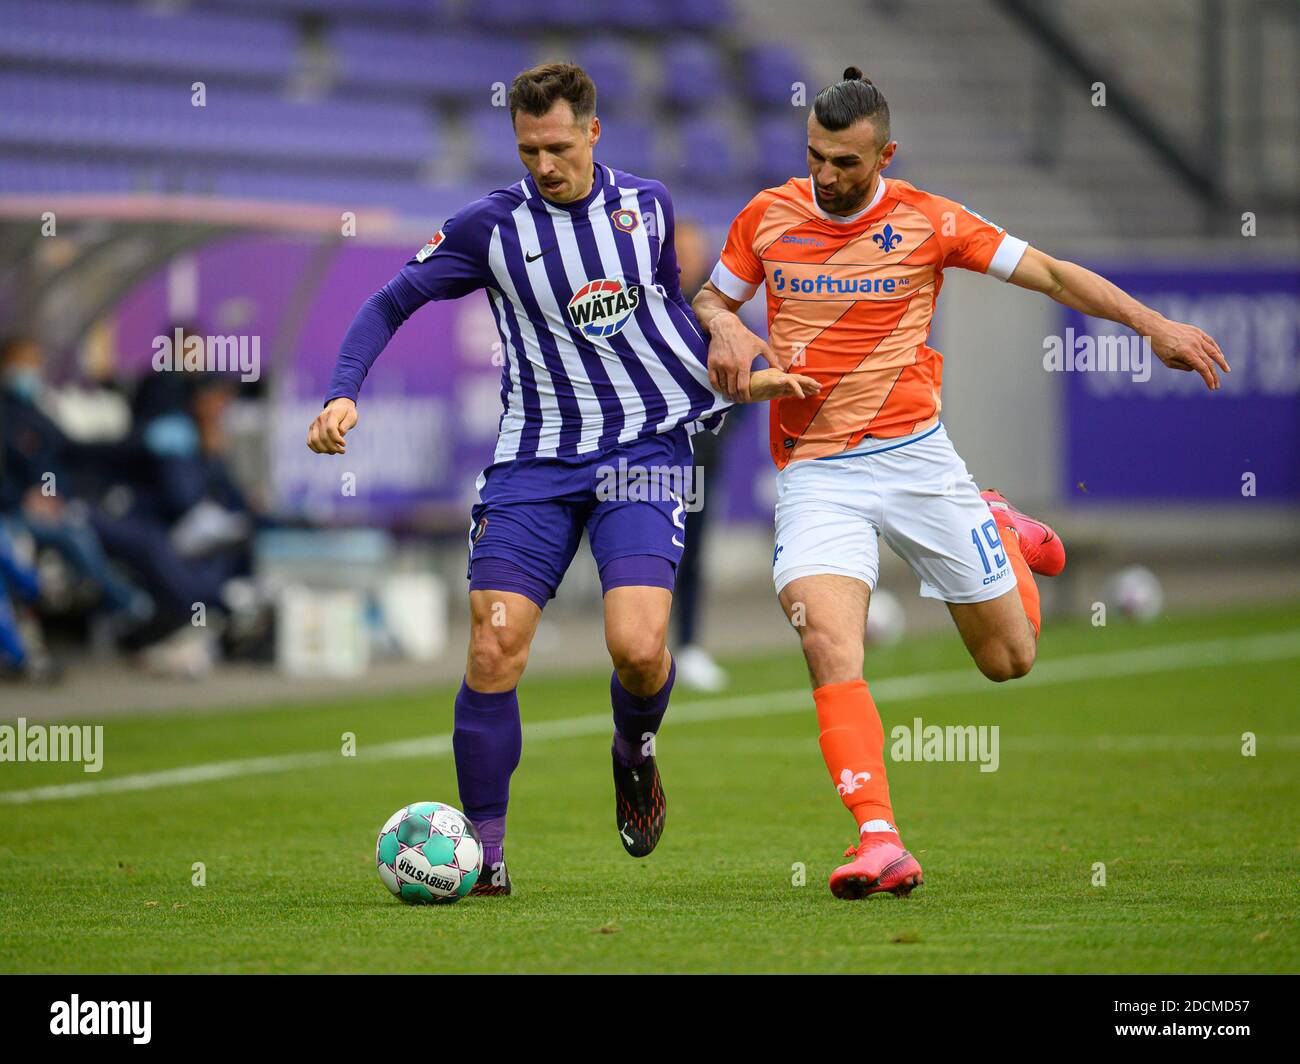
[1176, 344]
[333, 423]
[452, 264]
[732, 347]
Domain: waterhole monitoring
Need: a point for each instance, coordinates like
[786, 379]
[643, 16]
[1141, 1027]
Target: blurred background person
[185, 491]
[150, 525]
[187, 499]
[22, 657]
[44, 474]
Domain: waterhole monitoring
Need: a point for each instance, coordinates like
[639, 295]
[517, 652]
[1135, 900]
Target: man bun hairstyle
[535, 91]
[850, 100]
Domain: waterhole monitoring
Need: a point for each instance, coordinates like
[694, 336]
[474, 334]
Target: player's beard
[849, 201]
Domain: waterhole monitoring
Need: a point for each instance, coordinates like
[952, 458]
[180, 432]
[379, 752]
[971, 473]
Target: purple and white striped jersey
[600, 345]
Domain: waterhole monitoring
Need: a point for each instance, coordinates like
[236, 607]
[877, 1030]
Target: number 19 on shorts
[986, 540]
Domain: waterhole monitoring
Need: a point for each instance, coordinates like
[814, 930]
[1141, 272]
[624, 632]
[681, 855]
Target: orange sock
[1024, 577]
[853, 745]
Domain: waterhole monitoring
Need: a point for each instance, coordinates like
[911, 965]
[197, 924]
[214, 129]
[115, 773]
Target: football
[1136, 591]
[428, 853]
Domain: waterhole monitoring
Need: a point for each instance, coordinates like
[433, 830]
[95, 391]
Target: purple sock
[635, 716]
[486, 740]
[492, 834]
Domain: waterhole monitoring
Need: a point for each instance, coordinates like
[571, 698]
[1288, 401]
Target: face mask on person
[25, 383]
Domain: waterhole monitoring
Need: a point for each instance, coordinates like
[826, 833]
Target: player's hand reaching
[777, 384]
[1177, 345]
[732, 349]
[333, 423]
[1188, 348]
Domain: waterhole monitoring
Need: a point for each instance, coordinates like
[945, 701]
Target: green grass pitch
[1131, 758]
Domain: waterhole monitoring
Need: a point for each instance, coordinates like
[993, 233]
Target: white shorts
[916, 492]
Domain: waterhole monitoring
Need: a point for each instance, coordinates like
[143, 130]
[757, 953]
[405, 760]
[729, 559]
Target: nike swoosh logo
[531, 257]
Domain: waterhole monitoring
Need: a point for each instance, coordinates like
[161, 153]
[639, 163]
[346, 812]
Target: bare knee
[641, 661]
[831, 657]
[497, 656]
[1009, 659]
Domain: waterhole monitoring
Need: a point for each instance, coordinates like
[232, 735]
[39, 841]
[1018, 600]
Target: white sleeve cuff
[730, 285]
[1007, 257]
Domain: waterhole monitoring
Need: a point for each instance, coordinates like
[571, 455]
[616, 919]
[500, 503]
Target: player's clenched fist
[333, 423]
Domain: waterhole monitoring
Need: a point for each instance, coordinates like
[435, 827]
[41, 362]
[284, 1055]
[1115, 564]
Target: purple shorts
[631, 499]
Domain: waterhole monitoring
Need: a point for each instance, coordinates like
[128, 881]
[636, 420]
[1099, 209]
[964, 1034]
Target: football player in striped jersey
[604, 383]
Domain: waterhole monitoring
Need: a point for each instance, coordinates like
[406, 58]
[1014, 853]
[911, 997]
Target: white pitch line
[1083, 667]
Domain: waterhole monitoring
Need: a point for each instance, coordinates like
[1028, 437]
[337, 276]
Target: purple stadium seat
[94, 36]
[780, 143]
[627, 144]
[95, 94]
[494, 157]
[702, 15]
[517, 14]
[772, 70]
[635, 15]
[712, 154]
[102, 115]
[435, 11]
[21, 176]
[610, 62]
[694, 74]
[451, 64]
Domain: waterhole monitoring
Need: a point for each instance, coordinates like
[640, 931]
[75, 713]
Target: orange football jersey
[849, 303]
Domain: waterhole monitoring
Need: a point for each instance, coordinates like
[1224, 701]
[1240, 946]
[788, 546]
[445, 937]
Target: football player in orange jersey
[852, 264]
